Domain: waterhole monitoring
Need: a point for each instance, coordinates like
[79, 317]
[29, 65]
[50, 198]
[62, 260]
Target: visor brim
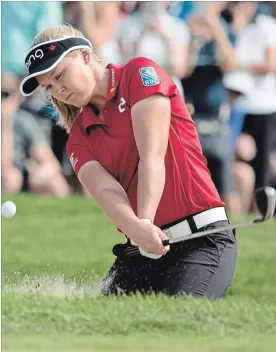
[30, 83]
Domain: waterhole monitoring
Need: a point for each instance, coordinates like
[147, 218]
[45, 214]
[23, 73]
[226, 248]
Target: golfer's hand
[149, 237]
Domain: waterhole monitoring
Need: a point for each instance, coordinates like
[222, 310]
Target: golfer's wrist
[135, 233]
[130, 226]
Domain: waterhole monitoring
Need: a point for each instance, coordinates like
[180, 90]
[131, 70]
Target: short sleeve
[146, 78]
[78, 152]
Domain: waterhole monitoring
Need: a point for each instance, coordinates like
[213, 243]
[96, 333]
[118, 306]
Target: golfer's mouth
[69, 96]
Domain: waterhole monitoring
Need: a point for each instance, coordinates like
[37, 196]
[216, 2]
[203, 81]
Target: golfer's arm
[151, 122]
[110, 196]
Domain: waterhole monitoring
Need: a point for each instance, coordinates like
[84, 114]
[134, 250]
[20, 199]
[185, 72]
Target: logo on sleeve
[149, 76]
[73, 160]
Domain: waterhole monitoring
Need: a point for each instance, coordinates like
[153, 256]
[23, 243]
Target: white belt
[203, 219]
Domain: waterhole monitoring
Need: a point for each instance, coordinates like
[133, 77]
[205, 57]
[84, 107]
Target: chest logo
[122, 103]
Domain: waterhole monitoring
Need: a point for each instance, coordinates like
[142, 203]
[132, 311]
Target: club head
[266, 199]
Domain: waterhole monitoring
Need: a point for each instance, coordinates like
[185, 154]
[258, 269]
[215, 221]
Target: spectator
[100, 23]
[153, 33]
[255, 53]
[71, 13]
[205, 92]
[28, 162]
[273, 8]
[239, 86]
[11, 178]
[265, 7]
[130, 7]
[35, 159]
[21, 20]
[181, 9]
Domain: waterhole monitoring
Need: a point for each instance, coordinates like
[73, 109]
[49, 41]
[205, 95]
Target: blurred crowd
[221, 55]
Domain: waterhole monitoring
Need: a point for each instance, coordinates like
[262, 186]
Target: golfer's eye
[59, 75]
[48, 87]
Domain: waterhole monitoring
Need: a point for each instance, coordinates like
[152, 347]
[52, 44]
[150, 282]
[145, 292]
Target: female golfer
[134, 147]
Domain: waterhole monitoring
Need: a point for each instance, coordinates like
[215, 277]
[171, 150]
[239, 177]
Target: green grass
[153, 343]
[65, 245]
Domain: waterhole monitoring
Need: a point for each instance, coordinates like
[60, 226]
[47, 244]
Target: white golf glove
[148, 254]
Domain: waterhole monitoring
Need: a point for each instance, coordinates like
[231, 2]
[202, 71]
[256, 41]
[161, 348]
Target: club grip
[166, 242]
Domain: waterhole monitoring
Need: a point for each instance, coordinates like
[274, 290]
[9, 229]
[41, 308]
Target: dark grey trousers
[202, 267]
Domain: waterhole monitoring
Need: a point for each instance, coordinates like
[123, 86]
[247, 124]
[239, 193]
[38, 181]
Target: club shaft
[209, 232]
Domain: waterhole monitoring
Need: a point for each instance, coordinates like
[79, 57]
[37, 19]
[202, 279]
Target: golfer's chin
[79, 99]
[76, 101]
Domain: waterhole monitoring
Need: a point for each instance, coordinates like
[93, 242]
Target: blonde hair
[67, 113]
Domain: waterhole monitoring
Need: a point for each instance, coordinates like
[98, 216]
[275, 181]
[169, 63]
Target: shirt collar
[114, 79]
[88, 116]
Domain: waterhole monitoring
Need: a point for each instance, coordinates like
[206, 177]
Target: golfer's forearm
[151, 182]
[117, 207]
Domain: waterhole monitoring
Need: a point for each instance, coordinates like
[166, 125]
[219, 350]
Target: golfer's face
[71, 81]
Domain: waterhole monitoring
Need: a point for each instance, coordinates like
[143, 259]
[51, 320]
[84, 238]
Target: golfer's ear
[86, 56]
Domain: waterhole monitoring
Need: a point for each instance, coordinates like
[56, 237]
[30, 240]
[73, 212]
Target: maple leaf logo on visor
[52, 47]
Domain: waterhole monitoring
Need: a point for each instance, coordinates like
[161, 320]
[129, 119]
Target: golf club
[265, 199]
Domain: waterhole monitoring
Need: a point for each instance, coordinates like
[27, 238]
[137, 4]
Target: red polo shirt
[188, 187]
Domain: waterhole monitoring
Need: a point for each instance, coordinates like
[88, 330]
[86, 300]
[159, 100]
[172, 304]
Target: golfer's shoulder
[137, 63]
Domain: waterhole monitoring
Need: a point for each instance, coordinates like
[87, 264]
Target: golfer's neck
[98, 101]
[100, 92]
